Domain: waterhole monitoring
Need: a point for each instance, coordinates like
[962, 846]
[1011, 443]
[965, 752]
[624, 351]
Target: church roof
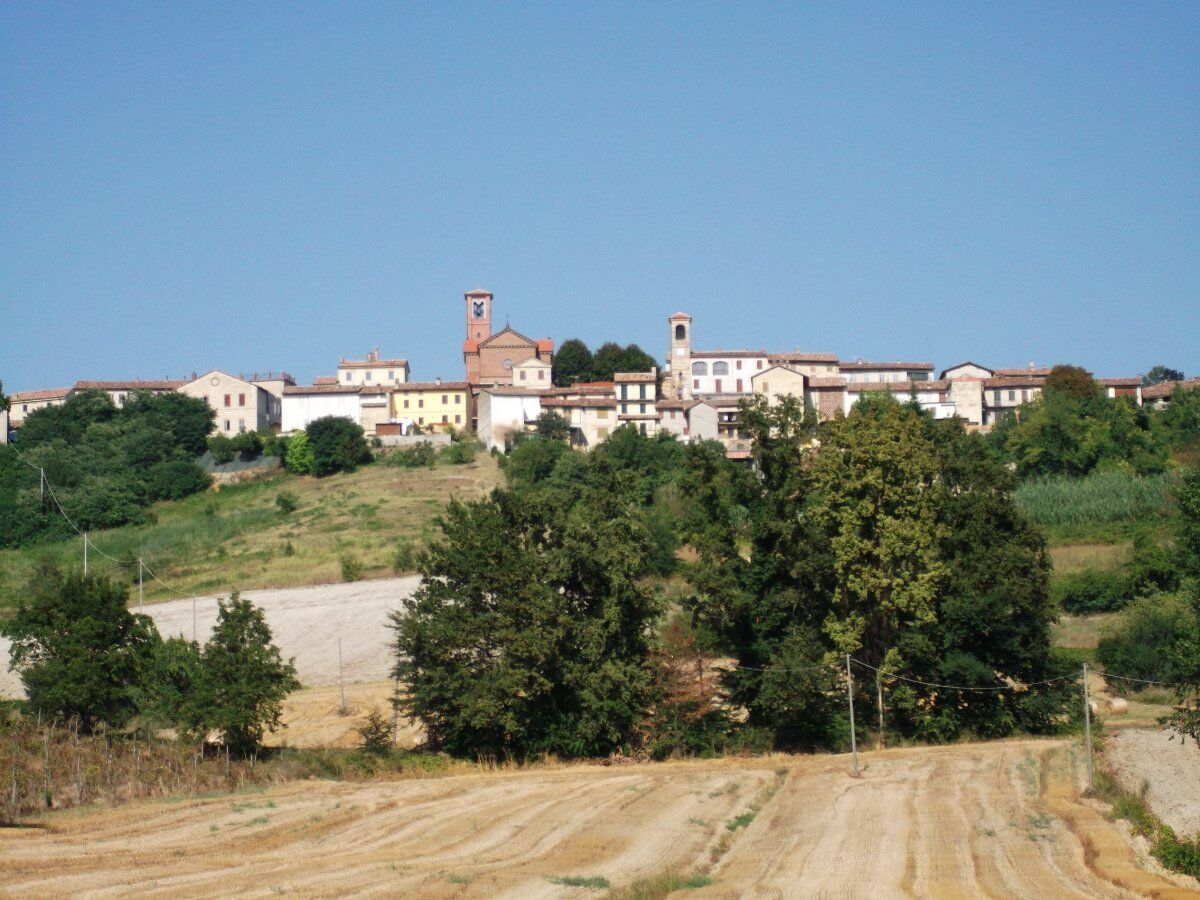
[680, 315]
[478, 292]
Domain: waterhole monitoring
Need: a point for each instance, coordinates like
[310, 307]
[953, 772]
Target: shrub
[352, 567]
[174, 479]
[247, 444]
[413, 457]
[1100, 497]
[221, 448]
[1151, 641]
[405, 558]
[299, 458]
[337, 445]
[458, 454]
[287, 502]
[1091, 591]
[274, 445]
[376, 734]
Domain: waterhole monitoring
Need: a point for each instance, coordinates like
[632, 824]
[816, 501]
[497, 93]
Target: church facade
[490, 358]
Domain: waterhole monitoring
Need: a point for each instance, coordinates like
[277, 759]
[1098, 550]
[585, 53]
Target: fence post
[850, 695]
[16, 763]
[341, 680]
[49, 733]
[1087, 728]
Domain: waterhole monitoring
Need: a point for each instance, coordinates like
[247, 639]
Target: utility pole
[140, 594]
[193, 618]
[85, 543]
[42, 489]
[879, 700]
[850, 695]
[341, 679]
[1087, 728]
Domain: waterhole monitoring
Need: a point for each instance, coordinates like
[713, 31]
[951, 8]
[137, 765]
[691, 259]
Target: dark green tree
[553, 427]
[170, 685]
[608, 360]
[187, 420]
[1186, 717]
[79, 650]
[337, 445]
[1159, 374]
[243, 678]
[530, 632]
[1073, 381]
[572, 363]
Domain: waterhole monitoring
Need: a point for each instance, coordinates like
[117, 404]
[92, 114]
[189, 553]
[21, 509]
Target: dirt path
[306, 622]
[1170, 769]
[985, 820]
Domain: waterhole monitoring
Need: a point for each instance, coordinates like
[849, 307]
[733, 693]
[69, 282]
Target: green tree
[1073, 381]
[530, 631]
[337, 445]
[187, 420]
[299, 459]
[80, 652]
[169, 688]
[1180, 421]
[1159, 374]
[221, 448]
[572, 363]
[553, 427]
[1186, 717]
[608, 360]
[243, 678]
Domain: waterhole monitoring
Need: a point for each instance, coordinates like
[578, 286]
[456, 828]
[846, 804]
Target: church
[506, 358]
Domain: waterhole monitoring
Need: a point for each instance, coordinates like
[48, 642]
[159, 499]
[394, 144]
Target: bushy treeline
[83, 656]
[885, 535]
[1080, 430]
[575, 362]
[106, 464]
[328, 445]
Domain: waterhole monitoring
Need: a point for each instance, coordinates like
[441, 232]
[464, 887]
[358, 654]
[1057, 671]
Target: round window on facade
[508, 364]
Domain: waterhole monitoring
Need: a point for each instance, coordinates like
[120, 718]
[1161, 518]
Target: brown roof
[864, 387]
[325, 379]
[680, 315]
[635, 376]
[860, 366]
[136, 385]
[585, 387]
[718, 400]
[1012, 381]
[579, 403]
[44, 394]
[834, 382]
[431, 386]
[300, 390]
[797, 356]
[372, 364]
[478, 292]
[966, 363]
[545, 345]
[1166, 388]
[1135, 381]
[1042, 372]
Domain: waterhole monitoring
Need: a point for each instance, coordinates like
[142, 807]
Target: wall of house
[702, 423]
[439, 409]
[300, 409]
[778, 382]
[492, 357]
[502, 415]
[533, 374]
[718, 380]
[967, 397]
[240, 406]
[359, 375]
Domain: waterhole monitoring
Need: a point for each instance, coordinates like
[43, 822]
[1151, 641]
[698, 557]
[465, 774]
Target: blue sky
[254, 186]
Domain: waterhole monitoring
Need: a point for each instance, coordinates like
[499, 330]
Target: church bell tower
[479, 314]
[680, 359]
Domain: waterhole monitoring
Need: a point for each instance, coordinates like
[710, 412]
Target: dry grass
[1090, 557]
[995, 819]
[1081, 631]
[237, 535]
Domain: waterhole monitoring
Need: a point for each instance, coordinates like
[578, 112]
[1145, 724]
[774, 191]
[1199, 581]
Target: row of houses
[508, 383]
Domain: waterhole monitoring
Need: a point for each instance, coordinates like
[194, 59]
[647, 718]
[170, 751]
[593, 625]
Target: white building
[305, 403]
[861, 371]
[22, 403]
[688, 420]
[239, 404]
[372, 370]
[502, 412]
[932, 396]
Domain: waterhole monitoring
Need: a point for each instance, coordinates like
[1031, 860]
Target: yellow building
[433, 405]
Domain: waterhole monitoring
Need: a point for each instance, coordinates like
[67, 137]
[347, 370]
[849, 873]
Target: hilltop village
[509, 379]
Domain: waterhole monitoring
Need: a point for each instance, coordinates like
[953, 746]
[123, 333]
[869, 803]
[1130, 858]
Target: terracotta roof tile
[43, 394]
[136, 385]
[861, 366]
[1135, 381]
[580, 403]
[1015, 373]
[1166, 388]
[373, 364]
[832, 382]
[300, 390]
[1013, 381]
[431, 386]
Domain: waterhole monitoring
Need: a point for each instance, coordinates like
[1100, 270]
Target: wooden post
[15, 772]
[49, 732]
[850, 695]
[85, 543]
[341, 678]
[879, 700]
[140, 595]
[1087, 728]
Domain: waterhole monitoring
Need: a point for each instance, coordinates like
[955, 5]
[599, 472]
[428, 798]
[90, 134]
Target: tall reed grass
[1093, 499]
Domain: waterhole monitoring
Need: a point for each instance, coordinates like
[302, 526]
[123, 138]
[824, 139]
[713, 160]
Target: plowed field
[999, 819]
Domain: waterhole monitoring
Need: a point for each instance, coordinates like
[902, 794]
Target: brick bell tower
[479, 314]
[680, 358]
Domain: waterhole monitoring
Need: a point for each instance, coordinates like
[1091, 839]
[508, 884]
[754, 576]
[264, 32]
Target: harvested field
[998, 819]
[306, 623]
[313, 716]
[1170, 770]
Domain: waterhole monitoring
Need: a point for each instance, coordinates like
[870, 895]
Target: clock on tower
[479, 314]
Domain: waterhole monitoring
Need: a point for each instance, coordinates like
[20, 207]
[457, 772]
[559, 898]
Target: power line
[959, 687]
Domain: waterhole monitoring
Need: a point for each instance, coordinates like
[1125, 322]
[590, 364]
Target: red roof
[545, 345]
[680, 315]
[478, 292]
[1120, 382]
[137, 385]
[470, 346]
[580, 402]
[836, 382]
[44, 394]
[1012, 381]
[431, 386]
[325, 379]
[373, 363]
[1003, 373]
[1160, 390]
[301, 390]
[861, 366]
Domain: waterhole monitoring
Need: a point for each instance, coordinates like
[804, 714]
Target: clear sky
[253, 186]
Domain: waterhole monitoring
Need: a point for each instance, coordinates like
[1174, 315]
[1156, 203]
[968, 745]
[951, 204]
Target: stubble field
[1000, 819]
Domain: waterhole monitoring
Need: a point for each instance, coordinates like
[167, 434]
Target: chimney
[438, 380]
[1031, 365]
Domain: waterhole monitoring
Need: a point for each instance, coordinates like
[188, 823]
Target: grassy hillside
[237, 536]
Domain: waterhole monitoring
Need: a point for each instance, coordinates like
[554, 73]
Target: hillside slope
[237, 536]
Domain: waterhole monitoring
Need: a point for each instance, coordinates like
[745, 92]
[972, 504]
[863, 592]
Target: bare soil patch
[1169, 770]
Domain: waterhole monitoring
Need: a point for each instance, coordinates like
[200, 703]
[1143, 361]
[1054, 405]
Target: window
[241, 424]
[241, 399]
[760, 363]
[643, 427]
[602, 414]
[421, 421]
[695, 384]
[446, 399]
[406, 404]
[457, 399]
[681, 332]
[227, 403]
[421, 403]
[998, 395]
[522, 374]
[1012, 395]
[720, 368]
[699, 368]
[391, 374]
[457, 419]
[643, 409]
[766, 387]
[445, 419]
[226, 424]
[1025, 396]
[541, 374]
[738, 364]
[367, 377]
[718, 386]
[739, 385]
[348, 376]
